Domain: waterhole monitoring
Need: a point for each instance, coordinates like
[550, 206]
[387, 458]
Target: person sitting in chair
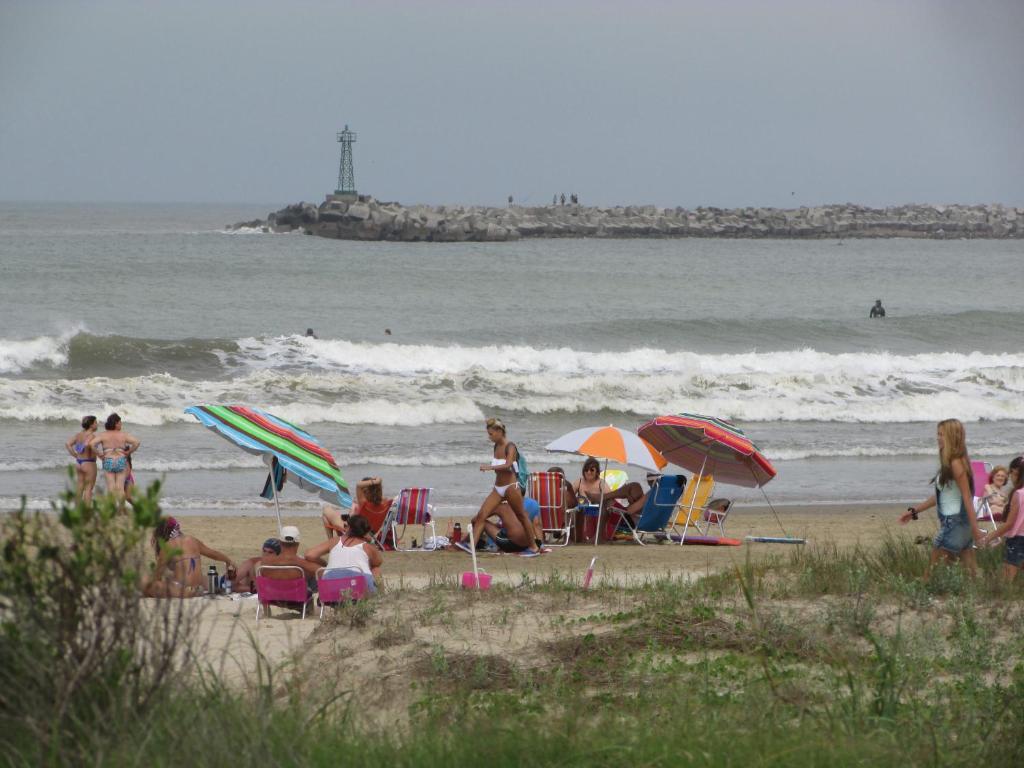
[370, 503]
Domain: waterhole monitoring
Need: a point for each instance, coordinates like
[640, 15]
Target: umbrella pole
[277, 502]
[693, 498]
[770, 506]
[600, 507]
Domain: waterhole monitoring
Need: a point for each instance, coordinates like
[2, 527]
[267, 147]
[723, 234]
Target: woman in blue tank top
[953, 499]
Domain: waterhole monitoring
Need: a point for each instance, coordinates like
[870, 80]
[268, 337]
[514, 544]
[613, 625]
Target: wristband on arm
[913, 513]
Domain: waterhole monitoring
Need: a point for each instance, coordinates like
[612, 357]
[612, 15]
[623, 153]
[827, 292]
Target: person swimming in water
[310, 334]
[85, 459]
[878, 310]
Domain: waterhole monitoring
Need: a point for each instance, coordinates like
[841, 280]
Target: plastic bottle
[211, 579]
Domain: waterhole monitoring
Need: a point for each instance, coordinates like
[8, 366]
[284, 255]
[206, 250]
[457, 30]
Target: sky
[717, 103]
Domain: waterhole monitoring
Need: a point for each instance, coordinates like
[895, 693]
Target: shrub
[80, 651]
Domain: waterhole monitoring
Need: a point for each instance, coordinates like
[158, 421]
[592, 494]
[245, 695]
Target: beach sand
[845, 525]
[229, 624]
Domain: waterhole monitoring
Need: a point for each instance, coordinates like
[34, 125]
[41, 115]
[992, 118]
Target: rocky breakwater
[370, 219]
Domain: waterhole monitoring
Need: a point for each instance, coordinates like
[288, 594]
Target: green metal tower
[346, 173]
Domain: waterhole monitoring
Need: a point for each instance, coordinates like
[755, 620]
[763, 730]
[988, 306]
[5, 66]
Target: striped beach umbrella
[283, 446]
[706, 445]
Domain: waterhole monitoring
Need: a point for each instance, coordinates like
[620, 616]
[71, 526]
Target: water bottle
[457, 533]
[211, 579]
[225, 583]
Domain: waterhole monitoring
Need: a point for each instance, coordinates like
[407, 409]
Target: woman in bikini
[179, 562]
[85, 459]
[514, 519]
[114, 446]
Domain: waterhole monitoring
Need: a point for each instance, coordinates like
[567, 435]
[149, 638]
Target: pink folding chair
[339, 585]
[412, 508]
[548, 490]
[281, 585]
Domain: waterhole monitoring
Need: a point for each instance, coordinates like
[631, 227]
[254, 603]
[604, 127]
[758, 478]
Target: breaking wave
[309, 381]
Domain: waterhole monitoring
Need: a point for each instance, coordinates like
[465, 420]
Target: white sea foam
[310, 381]
[17, 355]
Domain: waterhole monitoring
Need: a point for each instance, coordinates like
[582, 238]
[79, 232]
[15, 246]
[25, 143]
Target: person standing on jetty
[85, 459]
[954, 498]
[505, 466]
[114, 446]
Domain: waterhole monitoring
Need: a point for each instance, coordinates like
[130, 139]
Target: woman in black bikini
[515, 522]
[85, 459]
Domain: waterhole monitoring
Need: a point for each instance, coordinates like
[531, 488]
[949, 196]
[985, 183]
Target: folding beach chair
[697, 509]
[280, 585]
[980, 471]
[411, 507]
[658, 508]
[337, 585]
[548, 490]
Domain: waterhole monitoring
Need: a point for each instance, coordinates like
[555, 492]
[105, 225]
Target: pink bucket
[469, 580]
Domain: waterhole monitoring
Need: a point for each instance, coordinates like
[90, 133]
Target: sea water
[147, 309]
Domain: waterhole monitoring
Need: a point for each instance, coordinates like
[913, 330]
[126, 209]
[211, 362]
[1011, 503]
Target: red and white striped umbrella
[706, 445]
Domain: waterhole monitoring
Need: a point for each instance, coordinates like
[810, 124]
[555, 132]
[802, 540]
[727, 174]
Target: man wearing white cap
[290, 538]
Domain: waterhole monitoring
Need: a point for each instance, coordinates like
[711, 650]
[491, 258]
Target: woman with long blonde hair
[954, 499]
[516, 527]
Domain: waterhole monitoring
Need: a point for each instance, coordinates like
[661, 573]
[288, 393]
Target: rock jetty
[368, 219]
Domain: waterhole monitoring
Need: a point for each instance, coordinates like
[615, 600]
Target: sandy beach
[843, 525]
[232, 637]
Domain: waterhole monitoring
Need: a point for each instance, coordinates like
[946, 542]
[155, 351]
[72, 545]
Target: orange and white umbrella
[611, 444]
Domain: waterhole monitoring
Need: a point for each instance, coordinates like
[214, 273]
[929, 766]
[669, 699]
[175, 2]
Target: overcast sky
[726, 103]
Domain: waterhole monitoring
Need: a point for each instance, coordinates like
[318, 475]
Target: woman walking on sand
[114, 446]
[954, 498]
[505, 466]
[85, 459]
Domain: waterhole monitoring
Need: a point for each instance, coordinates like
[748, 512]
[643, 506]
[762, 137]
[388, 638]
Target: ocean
[147, 309]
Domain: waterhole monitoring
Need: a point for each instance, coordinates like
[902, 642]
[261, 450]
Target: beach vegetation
[825, 656]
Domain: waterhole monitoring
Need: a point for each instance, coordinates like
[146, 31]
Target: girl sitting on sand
[954, 496]
[179, 562]
[85, 459]
[1013, 530]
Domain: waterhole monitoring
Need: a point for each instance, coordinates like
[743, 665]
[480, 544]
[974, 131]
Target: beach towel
[523, 476]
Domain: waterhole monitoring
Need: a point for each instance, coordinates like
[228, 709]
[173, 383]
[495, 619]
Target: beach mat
[710, 541]
[776, 539]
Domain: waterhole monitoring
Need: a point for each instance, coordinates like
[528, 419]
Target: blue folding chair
[658, 508]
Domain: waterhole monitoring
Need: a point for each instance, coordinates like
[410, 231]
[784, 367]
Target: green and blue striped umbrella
[282, 445]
